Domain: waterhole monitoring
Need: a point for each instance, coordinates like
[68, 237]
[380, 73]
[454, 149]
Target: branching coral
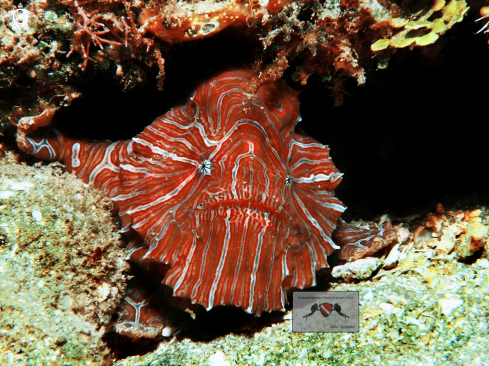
[89, 31]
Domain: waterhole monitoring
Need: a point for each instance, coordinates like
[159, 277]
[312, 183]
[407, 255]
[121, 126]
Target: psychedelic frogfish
[223, 190]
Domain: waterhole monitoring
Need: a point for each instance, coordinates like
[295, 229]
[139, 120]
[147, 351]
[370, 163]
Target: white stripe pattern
[223, 190]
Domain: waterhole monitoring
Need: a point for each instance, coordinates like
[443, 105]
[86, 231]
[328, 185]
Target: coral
[32, 54]
[335, 40]
[424, 29]
[62, 268]
[89, 30]
[183, 21]
[454, 234]
[35, 71]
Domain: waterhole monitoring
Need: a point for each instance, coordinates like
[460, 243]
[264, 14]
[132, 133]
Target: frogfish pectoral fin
[92, 162]
[357, 241]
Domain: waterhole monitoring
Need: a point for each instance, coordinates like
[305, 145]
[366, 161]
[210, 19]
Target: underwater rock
[61, 267]
[65, 43]
[359, 269]
[460, 234]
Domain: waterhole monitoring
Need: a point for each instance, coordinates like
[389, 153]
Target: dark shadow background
[416, 134]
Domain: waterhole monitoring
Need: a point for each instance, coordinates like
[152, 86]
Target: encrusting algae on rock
[62, 267]
[423, 30]
[69, 42]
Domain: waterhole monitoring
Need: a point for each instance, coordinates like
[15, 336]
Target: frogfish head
[226, 191]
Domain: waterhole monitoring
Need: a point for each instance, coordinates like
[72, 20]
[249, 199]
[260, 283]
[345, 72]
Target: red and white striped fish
[222, 189]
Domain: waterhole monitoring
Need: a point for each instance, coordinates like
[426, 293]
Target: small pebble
[37, 215]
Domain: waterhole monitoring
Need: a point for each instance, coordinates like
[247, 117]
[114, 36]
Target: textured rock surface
[362, 268]
[57, 290]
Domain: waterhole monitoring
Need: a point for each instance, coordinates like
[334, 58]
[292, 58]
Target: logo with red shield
[326, 309]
